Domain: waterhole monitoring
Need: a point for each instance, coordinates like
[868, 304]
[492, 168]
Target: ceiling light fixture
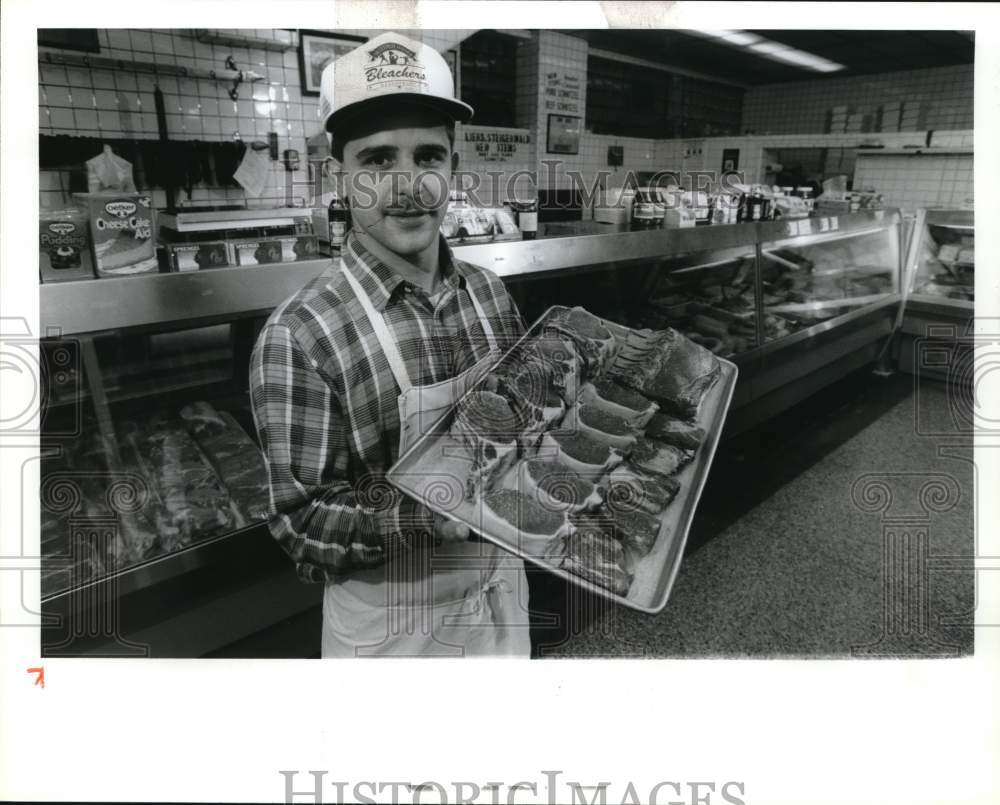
[775, 51]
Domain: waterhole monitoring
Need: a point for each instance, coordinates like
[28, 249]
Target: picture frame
[563, 134]
[730, 159]
[316, 50]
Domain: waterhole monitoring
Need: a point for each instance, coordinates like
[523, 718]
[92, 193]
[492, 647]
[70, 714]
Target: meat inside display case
[146, 452]
[810, 279]
[944, 261]
[709, 296]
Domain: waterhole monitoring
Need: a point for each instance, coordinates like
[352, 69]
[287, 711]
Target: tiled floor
[784, 560]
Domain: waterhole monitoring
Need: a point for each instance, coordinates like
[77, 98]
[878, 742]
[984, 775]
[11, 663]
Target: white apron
[460, 599]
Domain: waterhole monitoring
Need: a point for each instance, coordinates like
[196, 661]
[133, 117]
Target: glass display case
[816, 277]
[942, 259]
[935, 328]
[154, 492]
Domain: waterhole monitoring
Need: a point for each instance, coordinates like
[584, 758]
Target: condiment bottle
[527, 218]
[337, 221]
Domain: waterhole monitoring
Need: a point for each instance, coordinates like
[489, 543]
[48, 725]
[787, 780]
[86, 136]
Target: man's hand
[446, 530]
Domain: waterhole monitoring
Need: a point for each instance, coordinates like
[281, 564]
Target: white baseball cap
[388, 66]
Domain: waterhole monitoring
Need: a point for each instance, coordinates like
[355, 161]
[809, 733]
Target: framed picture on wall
[316, 50]
[730, 159]
[563, 135]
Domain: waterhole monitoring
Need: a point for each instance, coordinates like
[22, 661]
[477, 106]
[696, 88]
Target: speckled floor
[797, 566]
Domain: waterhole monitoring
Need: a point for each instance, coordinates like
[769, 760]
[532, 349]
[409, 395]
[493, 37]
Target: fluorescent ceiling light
[775, 51]
[735, 37]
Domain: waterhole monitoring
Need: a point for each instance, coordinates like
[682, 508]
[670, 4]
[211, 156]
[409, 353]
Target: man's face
[398, 178]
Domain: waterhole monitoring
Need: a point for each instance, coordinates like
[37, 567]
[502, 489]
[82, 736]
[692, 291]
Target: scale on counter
[226, 218]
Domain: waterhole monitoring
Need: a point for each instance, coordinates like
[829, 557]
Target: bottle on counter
[643, 214]
[527, 218]
[806, 194]
[337, 216]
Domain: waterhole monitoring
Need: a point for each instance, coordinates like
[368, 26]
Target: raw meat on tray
[678, 432]
[631, 489]
[601, 426]
[530, 390]
[556, 486]
[581, 453]
[489, 429]
[654, 456]
[593, 553]
[594, 341]
[617, 399]
[528, 523]
[562, 358]
[668, 368]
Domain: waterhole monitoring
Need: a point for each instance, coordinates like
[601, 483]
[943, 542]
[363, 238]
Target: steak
[527, 516]
[485, 424]
[629, 489]
[592, 552]
[677, 432]
[559, 354]
[605, 395]
[556, 486]
[636, 530]
[603, 421]
[659, 457]
[592, 339]
[668, 368]
[532, 395]
[621, 395]
[583, 454]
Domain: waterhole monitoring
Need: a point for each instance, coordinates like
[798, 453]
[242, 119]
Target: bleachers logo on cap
[394, 66]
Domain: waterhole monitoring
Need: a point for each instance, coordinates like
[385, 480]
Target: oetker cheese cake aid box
[121, 232]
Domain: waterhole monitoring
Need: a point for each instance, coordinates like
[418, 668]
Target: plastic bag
[107, 171]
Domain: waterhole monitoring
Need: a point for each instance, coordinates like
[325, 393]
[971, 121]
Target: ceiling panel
[861, 52]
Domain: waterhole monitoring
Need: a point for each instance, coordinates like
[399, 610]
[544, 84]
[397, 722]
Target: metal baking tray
[434, 470]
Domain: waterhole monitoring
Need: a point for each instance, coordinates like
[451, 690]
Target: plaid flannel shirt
[325, 402]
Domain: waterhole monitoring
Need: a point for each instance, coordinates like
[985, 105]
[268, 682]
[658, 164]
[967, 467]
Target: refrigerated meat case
[935, 330]
[152, 503]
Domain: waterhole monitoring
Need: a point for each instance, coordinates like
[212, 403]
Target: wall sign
[563, 92]
[498, 146]
[563, 135]
[730, 159]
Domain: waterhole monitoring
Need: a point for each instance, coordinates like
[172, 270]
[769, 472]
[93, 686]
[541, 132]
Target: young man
[345, 371]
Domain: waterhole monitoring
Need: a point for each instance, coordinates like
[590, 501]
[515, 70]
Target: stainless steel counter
[158, 299]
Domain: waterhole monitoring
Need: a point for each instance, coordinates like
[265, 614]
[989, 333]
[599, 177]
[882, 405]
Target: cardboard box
[64, 245]
[276, 250]
[196, 256]
[121, 233]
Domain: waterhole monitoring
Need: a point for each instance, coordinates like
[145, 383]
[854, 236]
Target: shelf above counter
[88, 306]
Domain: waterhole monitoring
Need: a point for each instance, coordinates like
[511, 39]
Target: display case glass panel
[816, 277]
[710, 296]
[943, 263]
[148, 449]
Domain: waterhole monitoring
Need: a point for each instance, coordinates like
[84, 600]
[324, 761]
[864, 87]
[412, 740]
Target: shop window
[626, 102]
[488, 77]
[630, 102]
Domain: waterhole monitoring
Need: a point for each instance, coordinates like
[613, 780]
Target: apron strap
[483, 320]
[381, 328]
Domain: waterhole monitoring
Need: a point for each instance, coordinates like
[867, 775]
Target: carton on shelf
[64, 245]
[121, 232]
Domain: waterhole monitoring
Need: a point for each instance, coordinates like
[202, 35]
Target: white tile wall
[910, 182]
[116, 104]
[933, 98]
[96, 103]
